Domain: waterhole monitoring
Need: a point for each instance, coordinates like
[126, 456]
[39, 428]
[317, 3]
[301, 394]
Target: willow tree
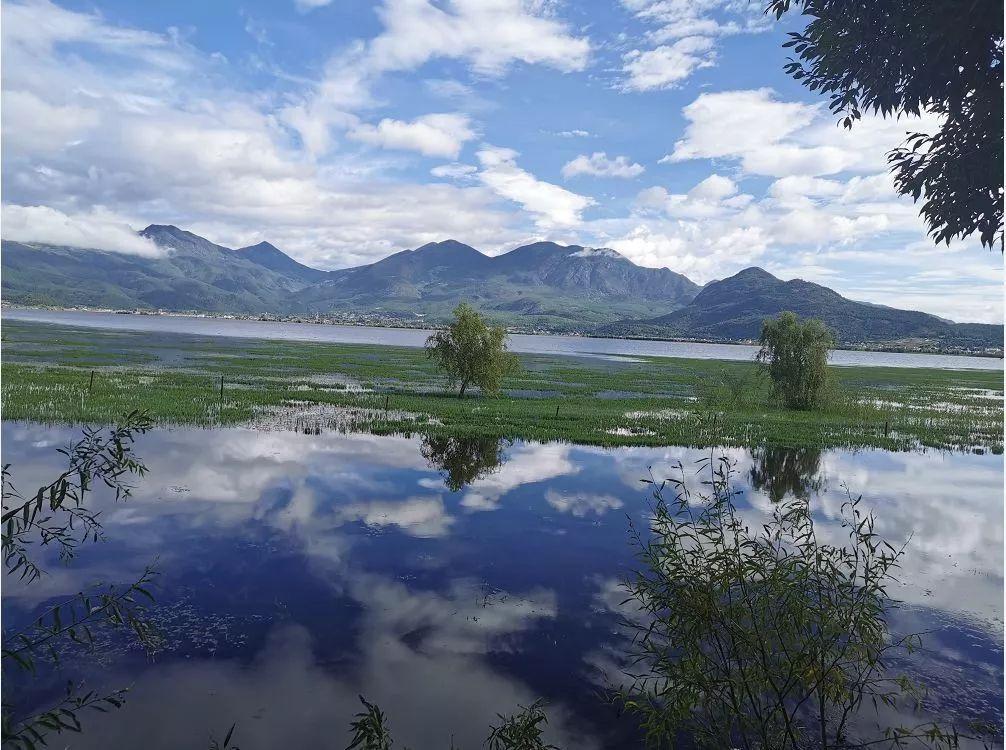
[795, 354]
[472, 352]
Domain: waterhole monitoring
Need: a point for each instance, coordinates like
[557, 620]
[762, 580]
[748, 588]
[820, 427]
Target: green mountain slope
[734, 308]
[194, 274]
[556, 286]
[544, 285]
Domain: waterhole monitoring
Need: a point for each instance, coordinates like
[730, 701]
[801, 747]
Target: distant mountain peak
[155, 230]
[269, 256]
[755, 272]
[598, 253]
[447, 246]
[263, 245]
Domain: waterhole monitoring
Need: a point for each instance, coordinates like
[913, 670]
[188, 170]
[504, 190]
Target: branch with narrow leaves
[56, 513]
[764, 637]
[31, 732]
[73, 618]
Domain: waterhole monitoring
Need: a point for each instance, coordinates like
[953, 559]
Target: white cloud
[307, 5]
[97, 229]
[599, 165]
[138, 124]
[552, 205]
[527, 465]
[574, 133]
[454, 171]
[735, 123]
[667, 65]
[416, 516]
[687, 34]
[489, 36]
[581, 505]
[714, 196]
[777, 138]
[441, 134]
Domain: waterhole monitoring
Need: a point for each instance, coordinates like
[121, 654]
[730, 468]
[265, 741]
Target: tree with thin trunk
[794, 352]
[472, 352]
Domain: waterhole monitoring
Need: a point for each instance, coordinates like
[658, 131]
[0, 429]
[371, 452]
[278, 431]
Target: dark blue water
[298, 571]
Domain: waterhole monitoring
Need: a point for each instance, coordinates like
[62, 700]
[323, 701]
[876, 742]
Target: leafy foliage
[30, 732]
[765, 638]
[522, 730]
[57, 514]
[370, 728]
[116, 606]
[472, 352]
[795, 353]
[215, 744]
[936, 56]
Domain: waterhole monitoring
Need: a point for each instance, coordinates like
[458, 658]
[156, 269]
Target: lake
[526, 344]
[298, 571]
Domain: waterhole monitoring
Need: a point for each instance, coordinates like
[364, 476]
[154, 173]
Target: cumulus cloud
[687, 36]
[454, 171]
[776, 138]
[552, 205]
[440, 134]
[97, 229]
[527, 465]
[599, 165]
[714, 196]
[581, 505]
[307, 5]
[98, 117]
[667, 65]
[416, 516]
[489, 37]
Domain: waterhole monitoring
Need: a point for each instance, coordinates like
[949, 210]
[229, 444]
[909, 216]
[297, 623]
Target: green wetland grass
[46, 377]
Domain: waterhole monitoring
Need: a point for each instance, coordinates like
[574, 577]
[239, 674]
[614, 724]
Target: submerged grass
[649, 401]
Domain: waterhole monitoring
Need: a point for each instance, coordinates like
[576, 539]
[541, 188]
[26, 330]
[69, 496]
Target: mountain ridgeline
[542, 285]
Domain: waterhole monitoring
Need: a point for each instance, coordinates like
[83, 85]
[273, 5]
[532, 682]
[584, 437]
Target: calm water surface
[578, 345]
[298, 571]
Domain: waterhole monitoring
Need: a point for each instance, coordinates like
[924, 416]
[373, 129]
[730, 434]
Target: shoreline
[397, 324]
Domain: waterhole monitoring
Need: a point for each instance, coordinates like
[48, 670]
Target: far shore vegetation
[63, 375]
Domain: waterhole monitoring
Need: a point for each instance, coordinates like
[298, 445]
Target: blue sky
[343, 131]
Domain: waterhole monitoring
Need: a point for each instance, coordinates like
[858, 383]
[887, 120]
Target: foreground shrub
[764, 638]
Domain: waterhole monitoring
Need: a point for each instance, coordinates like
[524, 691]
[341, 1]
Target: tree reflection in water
[779, 472]
[462, 460]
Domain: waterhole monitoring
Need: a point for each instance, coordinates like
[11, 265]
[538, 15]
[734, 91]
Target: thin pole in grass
[90, 386]
[220, 415]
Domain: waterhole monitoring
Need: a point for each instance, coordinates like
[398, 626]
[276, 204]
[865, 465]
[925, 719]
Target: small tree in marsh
[795, 353]
[472, 352]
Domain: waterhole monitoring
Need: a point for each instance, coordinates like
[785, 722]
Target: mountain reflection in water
[449, 580]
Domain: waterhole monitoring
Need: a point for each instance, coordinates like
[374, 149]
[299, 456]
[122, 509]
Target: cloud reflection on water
[440, 597]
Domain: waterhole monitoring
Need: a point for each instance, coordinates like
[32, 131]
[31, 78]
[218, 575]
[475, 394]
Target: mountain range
[541, 285]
